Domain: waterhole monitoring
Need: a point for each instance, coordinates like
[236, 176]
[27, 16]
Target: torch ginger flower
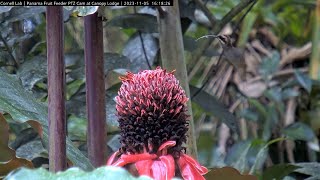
[151, 107]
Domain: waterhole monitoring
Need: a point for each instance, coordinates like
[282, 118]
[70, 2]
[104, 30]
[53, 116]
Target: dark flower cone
[152, 111]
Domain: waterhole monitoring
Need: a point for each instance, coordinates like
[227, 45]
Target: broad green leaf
[262, 155]
[106, 172]
[239, 154]
[211, 105]
[73, 87]
[33, 71]
[32, 150]
[144, 22]
[75, 62]
[299, 131]
[22, 106]
[278, 171]
[311, 169]
[304, 80]
[77, 128]
[77, 108]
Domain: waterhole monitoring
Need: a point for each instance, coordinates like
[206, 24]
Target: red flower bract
[151, 107]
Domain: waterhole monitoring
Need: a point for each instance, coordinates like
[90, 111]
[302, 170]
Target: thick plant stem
[95, 89]
[56, 89]
[172, 55]
[315, 57]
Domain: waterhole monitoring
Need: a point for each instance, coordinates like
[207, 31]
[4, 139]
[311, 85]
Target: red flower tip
[161, 167]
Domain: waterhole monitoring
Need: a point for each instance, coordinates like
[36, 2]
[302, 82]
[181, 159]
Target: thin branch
[142, 43]
[244, 15]
[207, 12]
[232, 13]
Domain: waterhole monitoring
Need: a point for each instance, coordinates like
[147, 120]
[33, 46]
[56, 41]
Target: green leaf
[274, 94]
[144, 22]
[260, 107]
[249, 114]
[33, 71]
[269, 65]
[262, 155]
[22, 106]
[75, 62]
[73, 87]
[288, 93]
[211, 105]
[106, 172]
[237, 156]
[32, 150]
[271, 120]
[77, 128]
[304, 80]
[311, 169]
[299, 131]
[278, 171]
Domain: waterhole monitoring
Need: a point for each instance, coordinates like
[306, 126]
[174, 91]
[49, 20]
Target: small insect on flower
[153, 121]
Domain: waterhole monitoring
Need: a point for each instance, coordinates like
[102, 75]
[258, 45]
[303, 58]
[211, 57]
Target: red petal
[190, 170]
[203, 170]
[132, 158]
[168, 161]
[144, 167]
[112, 157]
[166, 145]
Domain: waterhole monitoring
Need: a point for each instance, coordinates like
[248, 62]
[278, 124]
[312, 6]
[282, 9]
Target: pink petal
[144, 167]
[132, 158]
[189, 170]
[112, 157]
[159, 171]
[166, 145]
[168, 161]
[203, 170]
